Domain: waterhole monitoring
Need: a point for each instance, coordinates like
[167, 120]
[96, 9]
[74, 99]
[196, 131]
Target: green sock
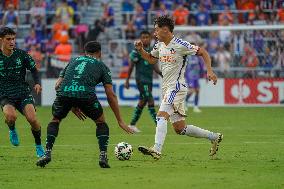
[137, 113]
[152, 112]
[102, 134]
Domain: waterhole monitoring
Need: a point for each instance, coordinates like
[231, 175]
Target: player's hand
[78, 113]
[212, 76]
[126, 84]
[138, 45]
[125, 127]
[58, 82]
[37, 88]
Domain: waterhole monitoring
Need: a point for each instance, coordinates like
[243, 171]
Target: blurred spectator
[203, 17]
[280, 14]
[245, 5]
[226, 17]
[39, 27]
[194, 37]
[145, 4]
[127, 8]
[268, 62]
[63, 50]
[139, 18]
[223, 59]
[15, 3]
[162, 10]
[181, 15]
[168, 3]
[279, 4]
[130, 31]
[11, 17]
[212, 44]
[50, 5]
[66, 13]
[124, 67]
[257, 17]
[207, 4]
[155, 5]
[37, 11]
[80, 32]
[193, 5]
[108, 15]
[95, 31]
[267, 4]
[238, 41]
[59, 28]
[249, 59]
[36, 55]
[258, 41]
[31, 40]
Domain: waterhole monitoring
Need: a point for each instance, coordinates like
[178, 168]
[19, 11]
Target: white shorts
[174, 103]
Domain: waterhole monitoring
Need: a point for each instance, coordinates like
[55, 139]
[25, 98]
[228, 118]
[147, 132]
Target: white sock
[193, 131]
[161, 132]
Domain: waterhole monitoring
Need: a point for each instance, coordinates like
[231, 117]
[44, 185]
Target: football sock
[152, 112]
[11, 126]
[137, 113]
[52, 132]
[196, 98]
[161, 132]
[193, 131]
[102, 134]
[37, 136]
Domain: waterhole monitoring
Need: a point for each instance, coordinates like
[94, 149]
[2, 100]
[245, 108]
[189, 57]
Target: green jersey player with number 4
[75, 90]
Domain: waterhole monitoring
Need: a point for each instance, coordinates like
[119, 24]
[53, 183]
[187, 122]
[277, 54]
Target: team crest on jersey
[18, 62]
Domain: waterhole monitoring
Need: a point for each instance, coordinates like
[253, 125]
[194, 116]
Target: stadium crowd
[54, 30]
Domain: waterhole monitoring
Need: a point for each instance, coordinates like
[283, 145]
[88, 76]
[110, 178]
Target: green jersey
[143, 70]
[13, 71]
[81, 76]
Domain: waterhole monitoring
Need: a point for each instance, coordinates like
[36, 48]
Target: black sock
[152, 112]
[102, 134]
[11, 126]
[52, 132]
[37, 136]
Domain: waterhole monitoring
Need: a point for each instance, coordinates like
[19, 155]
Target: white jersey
[172, 58]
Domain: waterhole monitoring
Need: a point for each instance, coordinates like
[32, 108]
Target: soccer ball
[123, 151]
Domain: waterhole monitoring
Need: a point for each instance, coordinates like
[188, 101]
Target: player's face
[146, 39]
[161, 33]
[8, 42]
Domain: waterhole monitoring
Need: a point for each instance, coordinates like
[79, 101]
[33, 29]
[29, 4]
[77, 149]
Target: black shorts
[18, 102]
[145, 90]
[91, 107]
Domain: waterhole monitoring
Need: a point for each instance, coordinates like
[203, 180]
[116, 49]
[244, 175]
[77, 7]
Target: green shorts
[145, 90]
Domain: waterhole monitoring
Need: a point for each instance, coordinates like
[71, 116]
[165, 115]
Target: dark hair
[144, 32]
[6, 31]
[92, 47]
[165, 20]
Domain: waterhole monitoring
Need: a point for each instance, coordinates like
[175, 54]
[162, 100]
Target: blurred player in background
[144, 81]
[15, 92]
[171, 53]
[193, 72]
[75, 88]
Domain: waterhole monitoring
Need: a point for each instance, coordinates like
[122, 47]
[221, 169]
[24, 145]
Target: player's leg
[181, 128]
[26, 107]
[60, 108]
[151, 104]
[10, 116]
[93, 109]
[196, 97]
[139, 108]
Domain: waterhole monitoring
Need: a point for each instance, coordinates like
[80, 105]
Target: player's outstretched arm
[145, 55]
[113, 103]
[130, 69]
[207, 60]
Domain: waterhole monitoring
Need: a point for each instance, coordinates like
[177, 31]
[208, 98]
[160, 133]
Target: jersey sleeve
[29, 62]
[134, 56]
[188, 49]
[106, 75]
[155, 50]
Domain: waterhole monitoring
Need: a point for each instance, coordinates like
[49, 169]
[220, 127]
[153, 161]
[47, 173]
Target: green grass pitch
[250, 156]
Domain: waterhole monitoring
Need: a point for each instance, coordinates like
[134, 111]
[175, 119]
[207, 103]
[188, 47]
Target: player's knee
[141, 103]
[179, 131]
[10, 117]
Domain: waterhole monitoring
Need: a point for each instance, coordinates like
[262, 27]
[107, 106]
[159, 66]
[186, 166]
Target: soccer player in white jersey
[171, 52]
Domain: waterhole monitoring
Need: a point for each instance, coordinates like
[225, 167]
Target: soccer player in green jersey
[75, 88]
[144, 81]
[15, 92]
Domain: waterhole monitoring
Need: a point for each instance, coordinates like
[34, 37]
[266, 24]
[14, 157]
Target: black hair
[165, 20]
[144, 32]
[92, 47]
[6, 31]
